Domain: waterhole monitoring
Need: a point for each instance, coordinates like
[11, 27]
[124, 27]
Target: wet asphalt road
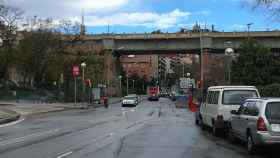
[151, 130]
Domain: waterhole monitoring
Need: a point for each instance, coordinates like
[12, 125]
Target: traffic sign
[183, 83]
[76, 70]
[187, 83]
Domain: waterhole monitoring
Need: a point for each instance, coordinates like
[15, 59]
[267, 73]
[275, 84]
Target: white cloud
[65, 8]
[102, 12]
[148, 19]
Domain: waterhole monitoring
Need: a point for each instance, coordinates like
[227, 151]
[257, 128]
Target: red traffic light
[198, 83]
[88, 82]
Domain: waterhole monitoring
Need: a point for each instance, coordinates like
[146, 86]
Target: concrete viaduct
[212, 43]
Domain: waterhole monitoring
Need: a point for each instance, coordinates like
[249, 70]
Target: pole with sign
[75, 72]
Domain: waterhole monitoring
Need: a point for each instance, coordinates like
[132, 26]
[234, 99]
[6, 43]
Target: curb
[10, 119]
[50, 111]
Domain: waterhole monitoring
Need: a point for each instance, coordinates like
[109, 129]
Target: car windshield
[273, 110]
[237, 97]
[129, 98]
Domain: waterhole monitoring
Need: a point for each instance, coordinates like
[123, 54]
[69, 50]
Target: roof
[231, 87]
[265, 99]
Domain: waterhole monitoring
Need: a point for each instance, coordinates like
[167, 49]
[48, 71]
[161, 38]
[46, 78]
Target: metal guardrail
[183, 35]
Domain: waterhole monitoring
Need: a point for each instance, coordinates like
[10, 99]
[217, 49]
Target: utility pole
[201, 60]
[183, 70]
[248, 26]
[126, 82]
[133, 82]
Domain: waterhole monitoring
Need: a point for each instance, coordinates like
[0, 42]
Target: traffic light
[198, 84]
[88, 83]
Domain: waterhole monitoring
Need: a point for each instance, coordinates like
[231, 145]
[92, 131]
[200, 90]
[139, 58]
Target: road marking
[21, 139]
[65, 154]
[12, 123]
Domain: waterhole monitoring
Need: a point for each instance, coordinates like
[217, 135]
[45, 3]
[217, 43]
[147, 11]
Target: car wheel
[202, 125]
[216, 131]
[196, 121]
[231, 136]
[251, 147]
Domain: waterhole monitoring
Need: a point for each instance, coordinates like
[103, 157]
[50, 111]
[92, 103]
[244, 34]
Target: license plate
[275, 127]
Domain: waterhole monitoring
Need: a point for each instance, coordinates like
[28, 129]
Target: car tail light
[261, 125]
[220, 117]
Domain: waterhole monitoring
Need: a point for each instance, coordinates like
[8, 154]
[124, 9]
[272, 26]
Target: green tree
[139, 84]
[37, 56]
[256, 65]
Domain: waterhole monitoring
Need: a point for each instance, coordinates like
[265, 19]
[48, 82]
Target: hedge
[272, 90]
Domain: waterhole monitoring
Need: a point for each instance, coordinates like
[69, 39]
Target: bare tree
[271, 6]
[9, 18]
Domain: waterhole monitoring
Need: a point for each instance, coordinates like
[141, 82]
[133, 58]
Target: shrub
[272, 90]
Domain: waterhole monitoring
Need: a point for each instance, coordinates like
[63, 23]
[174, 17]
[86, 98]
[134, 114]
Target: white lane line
[12, 123]
[65, 154]
[21, 139]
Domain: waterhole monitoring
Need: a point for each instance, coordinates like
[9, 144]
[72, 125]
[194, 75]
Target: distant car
[136, 96]
[163, 94]
[129, 101]
[153, 93]
[257, 122]
[153, 97]
[172, 96]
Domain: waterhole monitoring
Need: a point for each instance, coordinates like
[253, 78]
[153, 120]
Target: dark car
[153, 97]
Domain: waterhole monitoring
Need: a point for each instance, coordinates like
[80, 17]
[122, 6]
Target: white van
[220, 100]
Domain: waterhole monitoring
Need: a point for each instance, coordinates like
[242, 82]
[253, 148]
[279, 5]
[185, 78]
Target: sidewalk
[13, 109]
[7, 115]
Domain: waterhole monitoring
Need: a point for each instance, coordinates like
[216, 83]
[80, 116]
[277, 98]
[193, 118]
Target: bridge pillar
[213, 68]
[111, 73]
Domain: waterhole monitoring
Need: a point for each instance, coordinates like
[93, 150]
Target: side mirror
[234, 112]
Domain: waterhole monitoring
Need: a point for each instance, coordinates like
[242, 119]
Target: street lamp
[133, 81]
[83, 66]
[229, 52]
[1, 42]
[126, 83]
[120, 78]
[248, 26]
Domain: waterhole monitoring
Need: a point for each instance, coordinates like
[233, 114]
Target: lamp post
[83, 66]
[120, 78]
[201, 63]
[229, 53]
[126, 84]
[248, 26]
[1, 42]
[133, 85]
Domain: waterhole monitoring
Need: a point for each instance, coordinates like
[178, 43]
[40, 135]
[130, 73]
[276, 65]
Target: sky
[140, 16]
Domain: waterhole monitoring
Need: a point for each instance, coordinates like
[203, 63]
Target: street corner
[8, 116]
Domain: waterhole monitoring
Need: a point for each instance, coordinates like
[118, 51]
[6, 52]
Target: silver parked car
[257, 122]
